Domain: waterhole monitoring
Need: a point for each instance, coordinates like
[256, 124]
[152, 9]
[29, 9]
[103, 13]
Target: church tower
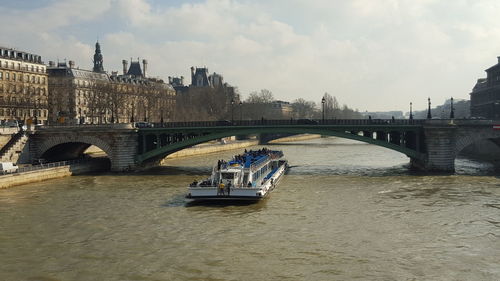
[98, 67]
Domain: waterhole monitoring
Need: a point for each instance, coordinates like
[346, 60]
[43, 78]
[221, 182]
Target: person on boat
[220, 191]
[229, 188]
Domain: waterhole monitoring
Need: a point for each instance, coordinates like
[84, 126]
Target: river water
[345, 211]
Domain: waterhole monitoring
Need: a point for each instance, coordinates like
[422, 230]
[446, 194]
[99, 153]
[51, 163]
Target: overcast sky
[373, 55]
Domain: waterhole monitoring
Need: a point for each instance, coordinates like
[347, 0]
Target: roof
[135, 69]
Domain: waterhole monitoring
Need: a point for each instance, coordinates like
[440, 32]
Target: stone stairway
[12, 150]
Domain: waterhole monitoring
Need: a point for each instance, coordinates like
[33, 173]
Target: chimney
[71, 64]
[498, 59]
[125, 66]
[192, 75]
[169, 79]
[145, 66]
[51, 63]
[182, 80]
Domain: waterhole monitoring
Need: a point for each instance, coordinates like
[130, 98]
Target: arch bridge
[430, 144]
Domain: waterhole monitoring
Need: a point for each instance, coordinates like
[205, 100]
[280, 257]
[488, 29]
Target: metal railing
[45, 166]
[284, 122]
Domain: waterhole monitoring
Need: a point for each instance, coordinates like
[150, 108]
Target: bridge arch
[162, 152]
[471, 136]
[58, 147]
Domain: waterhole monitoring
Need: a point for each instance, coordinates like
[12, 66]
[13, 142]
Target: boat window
[245, 178]
[227, 176]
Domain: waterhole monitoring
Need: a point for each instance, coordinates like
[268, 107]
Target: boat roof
[251, 158]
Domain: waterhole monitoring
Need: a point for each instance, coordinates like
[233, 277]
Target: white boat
[249, 176]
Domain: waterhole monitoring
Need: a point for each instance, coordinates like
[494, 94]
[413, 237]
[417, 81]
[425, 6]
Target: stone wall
[296, 138]
[10, 180]
[212, 148]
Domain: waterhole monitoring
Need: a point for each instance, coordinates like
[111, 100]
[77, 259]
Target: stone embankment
[94, 165]
[296, 138]
[213, 147]
[238, 144]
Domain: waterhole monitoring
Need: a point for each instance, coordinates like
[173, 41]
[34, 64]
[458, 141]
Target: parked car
[223, 123]
[307, 122]
[12, 124]
[7, 167]
[143, 125]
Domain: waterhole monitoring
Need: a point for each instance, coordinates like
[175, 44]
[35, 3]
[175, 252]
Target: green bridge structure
[431, 145]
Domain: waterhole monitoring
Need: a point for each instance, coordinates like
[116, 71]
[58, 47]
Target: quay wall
[296, 138]
[212, 148]
[10, 180]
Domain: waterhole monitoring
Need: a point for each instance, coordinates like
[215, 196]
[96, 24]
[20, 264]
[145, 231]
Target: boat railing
[272, 155]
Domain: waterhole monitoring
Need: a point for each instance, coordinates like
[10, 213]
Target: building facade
[80, 96]
[485, 96]
[23, 87]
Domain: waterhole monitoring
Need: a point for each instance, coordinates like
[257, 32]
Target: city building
[485, 96]
[23, 87]
[208, 97]
[282, 108]
[178, 84]
[79, 96]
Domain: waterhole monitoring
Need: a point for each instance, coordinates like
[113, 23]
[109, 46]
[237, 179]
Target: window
[1, 75]
[14, 77]
[7, 75]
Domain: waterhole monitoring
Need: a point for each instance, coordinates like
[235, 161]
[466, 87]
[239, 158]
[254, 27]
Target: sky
[373, 55]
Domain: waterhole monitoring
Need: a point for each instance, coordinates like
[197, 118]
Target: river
[345, 211]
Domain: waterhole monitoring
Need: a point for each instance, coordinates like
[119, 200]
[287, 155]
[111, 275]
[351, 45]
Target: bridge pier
[124, 152]
[440, 144]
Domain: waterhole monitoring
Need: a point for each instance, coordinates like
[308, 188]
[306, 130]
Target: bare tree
[303, 109]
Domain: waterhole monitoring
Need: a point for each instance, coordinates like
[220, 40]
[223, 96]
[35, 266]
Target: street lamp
[232, 111]
[323, 101]
[411, 111]
[241, 112]
[452, 112]
[429, 116]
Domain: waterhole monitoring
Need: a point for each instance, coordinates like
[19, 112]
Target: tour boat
[248, 176]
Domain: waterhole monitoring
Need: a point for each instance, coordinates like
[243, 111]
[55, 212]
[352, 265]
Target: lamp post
[411, 111]
[429, 116]
[232, 111]
[241, 112]
[323, 101]
[452, 112]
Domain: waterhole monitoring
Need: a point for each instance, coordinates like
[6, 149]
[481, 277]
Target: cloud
[374, 55]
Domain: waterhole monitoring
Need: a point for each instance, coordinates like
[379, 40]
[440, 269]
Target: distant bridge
[430, 144]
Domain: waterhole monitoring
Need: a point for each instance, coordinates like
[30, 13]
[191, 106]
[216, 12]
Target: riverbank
[236, 144]
[296, 138]
[212, 148]
[94, 165]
